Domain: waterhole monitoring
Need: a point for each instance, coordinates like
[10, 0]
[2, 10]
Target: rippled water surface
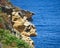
[46, 19]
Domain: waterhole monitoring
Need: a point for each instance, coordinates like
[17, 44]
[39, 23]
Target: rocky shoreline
[17, 21]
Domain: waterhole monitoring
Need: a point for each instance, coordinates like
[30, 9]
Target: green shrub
[0, 9]
[0, 19]
[7, 38]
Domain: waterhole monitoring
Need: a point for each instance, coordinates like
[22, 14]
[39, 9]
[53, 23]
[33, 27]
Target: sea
[46, 20]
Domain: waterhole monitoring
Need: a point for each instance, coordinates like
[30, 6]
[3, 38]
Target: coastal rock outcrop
[18, 22]
[25, 27]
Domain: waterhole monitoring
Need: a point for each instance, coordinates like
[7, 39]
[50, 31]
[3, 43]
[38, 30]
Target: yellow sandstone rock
[25, 27]
[20, 24]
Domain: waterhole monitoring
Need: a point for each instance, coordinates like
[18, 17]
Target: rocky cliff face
[18, 22]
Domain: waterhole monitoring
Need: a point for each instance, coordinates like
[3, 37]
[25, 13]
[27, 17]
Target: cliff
[17, 21]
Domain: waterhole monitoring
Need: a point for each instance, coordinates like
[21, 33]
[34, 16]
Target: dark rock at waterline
[30, 19]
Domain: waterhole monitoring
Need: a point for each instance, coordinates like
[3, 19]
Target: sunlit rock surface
[17, 21]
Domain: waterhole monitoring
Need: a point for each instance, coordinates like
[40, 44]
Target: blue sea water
[46, 20]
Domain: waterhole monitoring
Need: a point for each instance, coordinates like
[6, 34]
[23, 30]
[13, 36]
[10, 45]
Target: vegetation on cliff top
[10, 41]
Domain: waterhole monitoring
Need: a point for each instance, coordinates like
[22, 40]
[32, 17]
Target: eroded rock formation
[17, 21]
